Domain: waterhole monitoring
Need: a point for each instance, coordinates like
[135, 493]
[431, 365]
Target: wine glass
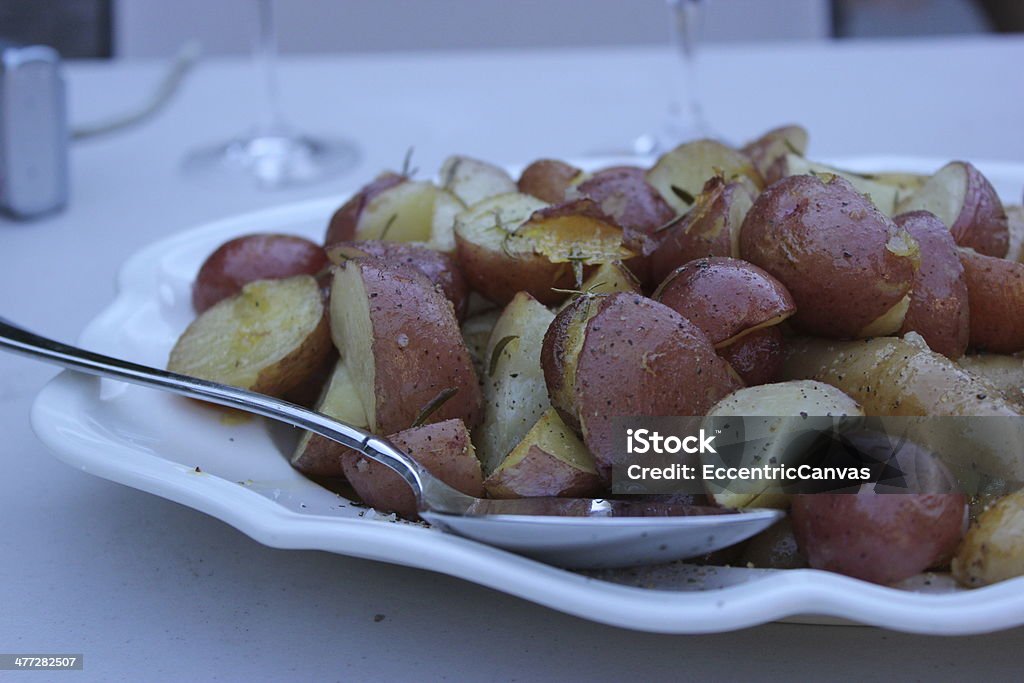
[685, 120]
[274, 154]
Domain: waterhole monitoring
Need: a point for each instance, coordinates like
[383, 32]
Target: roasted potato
[995, 292]
[885, 196]
[993, 548]
[560, 353]
[710, 228]
[1015, 226]
[849, 268]
[549, 461]
[245, 259]
[783, 408]
[776, 143]
[757, 357]
[938, 308]
[679, 175]
[968, 205]
[268, 338]
[319, 457]
[882, 538]
[513, 243]
[1005, 373]
[609, 278]
[549, 179]
[443, 448]
[396, 208]
[472, 180]
[515, 394]
[439, 267]
[400, 339]
[476, 332]
[636, 357]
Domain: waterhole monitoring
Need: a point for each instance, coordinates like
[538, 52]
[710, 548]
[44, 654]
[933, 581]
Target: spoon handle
[19, 340]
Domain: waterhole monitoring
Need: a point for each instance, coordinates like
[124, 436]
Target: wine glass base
[274, 160]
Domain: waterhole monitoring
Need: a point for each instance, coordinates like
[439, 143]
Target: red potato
[776, 143]
[549, 179]
[549, 461]
[757, 357]
[560, 353]
[993, 548]
[443, 448]
[269, 338]
[883, 195]
[848, 267]
[472, 180]
[995, 291]
[710, 228]
[319, 457]
[882, 538]
[1015, 224]
[439, 267]
[403, 347]
[680, 173]
[343, 224]
[637, 358]
[938, 309]
[246, 259]
[514, 243]
[623, 193]
[965, 201]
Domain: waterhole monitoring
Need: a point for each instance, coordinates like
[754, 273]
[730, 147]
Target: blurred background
[156, 28]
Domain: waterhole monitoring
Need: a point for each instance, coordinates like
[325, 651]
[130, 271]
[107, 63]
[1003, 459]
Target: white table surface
[148, 590]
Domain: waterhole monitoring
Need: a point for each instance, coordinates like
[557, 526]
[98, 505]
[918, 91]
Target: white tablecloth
[148, 590]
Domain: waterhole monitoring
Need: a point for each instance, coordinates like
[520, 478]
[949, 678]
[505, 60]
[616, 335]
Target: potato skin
[982, 223]
[776, 143]
[757, 357]
[499, 277]
[639, 357]
[246, 259]
[993, 548]
[440, 268]
[882, 538]
[343, 224]
[539, 475]
[417, 346]
[559, 356]
[845, 263]
[725, 297]
[548, 179]
[443, 448]
[938, 309]
[995, 291]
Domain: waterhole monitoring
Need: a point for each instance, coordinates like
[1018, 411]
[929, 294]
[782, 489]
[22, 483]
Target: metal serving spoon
[570, 532]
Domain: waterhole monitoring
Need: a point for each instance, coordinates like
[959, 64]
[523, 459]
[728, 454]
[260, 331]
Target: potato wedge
[783, 407]
[439, 267]
[710, 228]
[849, 267]
[402, 344]
[515, 395]
[444, 448]
[549, 461]
[679, 175]
[884, 196]
[995, 292]
[319, 457]
[560, 353]
[774, 144]
[549, 179]
[938, 309]
[472, 180]
[1005, 373]
[965, 201]
[993, 548]
[268, 338]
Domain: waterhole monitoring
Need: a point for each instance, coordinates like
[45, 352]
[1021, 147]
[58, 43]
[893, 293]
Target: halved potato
[679, 175]
[848, 266]
[400, 339]
[965, 201]
[268, 338]
[316, 456]
[883, 195]
[710, 228]
[993, 549]
[774, 144]
[1005, 373]
[995, 292]
[443, 448]
[938, 308]
[777, 415]
[549, 461]
[549, 179]
[344, 223]
[757, 357]
[515, 394]
[440, 268]
[560, 353]
[608, 278]
[472, 180]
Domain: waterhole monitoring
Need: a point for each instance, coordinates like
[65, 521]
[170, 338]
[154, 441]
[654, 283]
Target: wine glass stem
[686, 19]
[265, 53]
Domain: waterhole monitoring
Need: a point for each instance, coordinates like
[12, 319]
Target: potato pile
[493, 327]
